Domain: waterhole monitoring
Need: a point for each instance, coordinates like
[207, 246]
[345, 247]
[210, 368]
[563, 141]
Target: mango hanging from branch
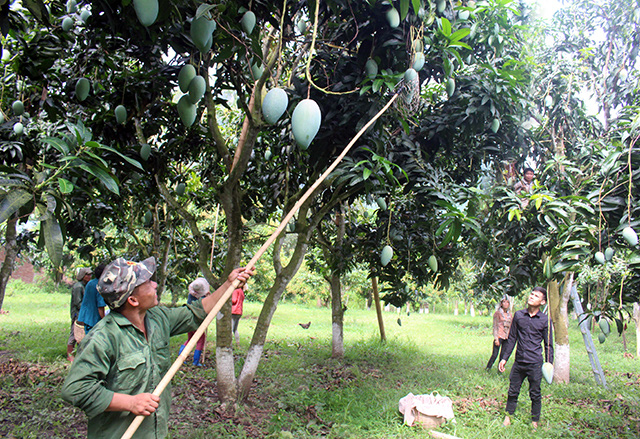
[386, 255]
[274, 105]
[305, 122]
[146, 11]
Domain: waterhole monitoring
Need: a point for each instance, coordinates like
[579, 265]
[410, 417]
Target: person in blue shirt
[92, 308]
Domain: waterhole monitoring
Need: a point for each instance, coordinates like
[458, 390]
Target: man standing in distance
[125, 356]
[530, 328]
[83, 276]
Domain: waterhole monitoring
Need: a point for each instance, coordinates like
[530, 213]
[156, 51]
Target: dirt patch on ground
[30, 405]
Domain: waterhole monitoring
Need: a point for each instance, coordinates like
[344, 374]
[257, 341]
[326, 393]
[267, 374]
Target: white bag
[429, 410]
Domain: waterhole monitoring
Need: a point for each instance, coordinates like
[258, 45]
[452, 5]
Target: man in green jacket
[122, 360]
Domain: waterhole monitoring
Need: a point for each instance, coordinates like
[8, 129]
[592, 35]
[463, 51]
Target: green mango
[386, 255]
[267, 155]
[393, 18]
[148, 216]
[145, 151]
[67, 24]
[186, 75]
[463, 15]
[433, 263]
[197, 87]
[257, 69]
[418, 61]
[604, 326]
[382, 204]
[451, 86]
[274, 105]
[600, 257]
[301, 24]
[121, 114]
[146, 11]
[187, 111]
[248, 22]
[601, 338]
[410, 75]
[201, 32]
[441, 5]
[82, 89]
[495, 125]
[628, 234]
[18, 128]
[305, 122]
[84, 15]
[180, 189]
[18, 108]
[608, 253]
[72, 7]
[547, 372]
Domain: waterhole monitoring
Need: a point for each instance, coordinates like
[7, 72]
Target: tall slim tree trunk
[225, 367]
[337, 318]
[558, 311]
[10, 255]
[283, 277]
[636, 318]
[376, 300]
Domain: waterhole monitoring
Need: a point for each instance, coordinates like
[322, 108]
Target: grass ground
[301, 392]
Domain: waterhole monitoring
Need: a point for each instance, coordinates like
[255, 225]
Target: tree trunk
[337, 315]
[636, 318]
[596, 368]
[282, 279]
[230, 199]
[376, 300]
[10, 255]
[558, 311]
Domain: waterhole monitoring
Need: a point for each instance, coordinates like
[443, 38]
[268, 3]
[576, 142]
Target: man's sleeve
[185, 318]
[511, 340]
[84, 385]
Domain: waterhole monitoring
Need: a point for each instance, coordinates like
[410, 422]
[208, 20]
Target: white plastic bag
[433, 405]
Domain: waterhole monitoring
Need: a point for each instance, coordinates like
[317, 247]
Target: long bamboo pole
[227, 294]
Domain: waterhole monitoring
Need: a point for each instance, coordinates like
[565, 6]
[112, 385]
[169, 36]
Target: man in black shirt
[529, 329]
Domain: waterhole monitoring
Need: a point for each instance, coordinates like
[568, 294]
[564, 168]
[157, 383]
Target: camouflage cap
[82, 272]
[120, 278]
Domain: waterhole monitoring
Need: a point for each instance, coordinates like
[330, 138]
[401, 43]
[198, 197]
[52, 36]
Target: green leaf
[66, 187]
[445, 27]
[58, 144]
[404, 9]
[13, 201]
[377, 84]
[366, 172]
[104, 177]
[53, 240]
[416, 6]
[460, 34]
[564, 265]
[97, 159]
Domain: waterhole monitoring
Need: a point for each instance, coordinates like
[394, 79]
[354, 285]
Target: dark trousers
[496, 350]
[520, 371]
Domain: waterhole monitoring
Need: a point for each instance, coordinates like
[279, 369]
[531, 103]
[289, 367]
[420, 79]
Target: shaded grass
[311, 395]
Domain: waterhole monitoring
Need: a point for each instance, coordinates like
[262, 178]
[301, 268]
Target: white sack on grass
[429, 405]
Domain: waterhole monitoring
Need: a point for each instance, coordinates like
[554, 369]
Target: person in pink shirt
[236, 311]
